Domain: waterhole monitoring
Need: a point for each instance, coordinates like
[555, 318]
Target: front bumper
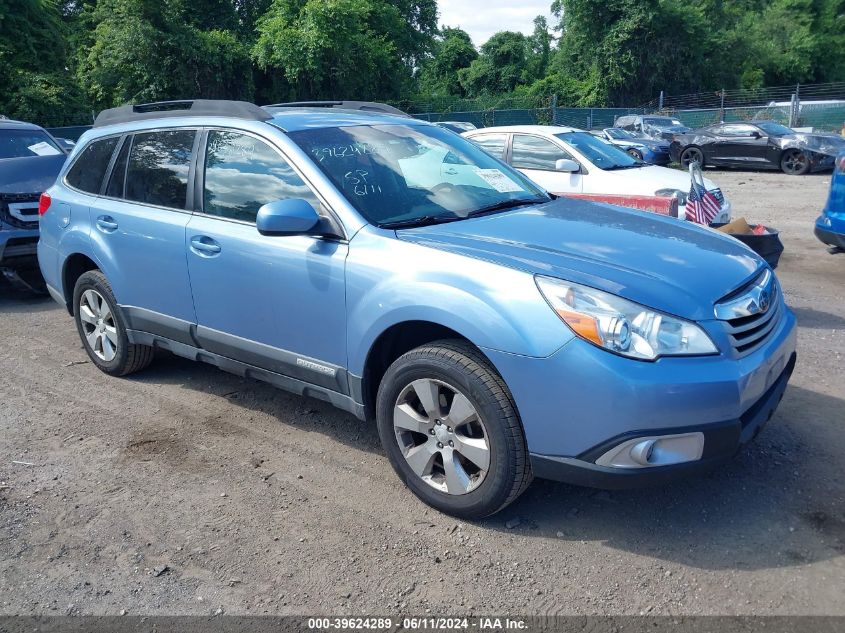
[721, 442]
[18, 247]
[581, 402]
[826, 229]
[656, 157]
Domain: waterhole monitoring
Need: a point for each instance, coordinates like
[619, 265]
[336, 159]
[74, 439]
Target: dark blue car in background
[30, 160]
[830, 225]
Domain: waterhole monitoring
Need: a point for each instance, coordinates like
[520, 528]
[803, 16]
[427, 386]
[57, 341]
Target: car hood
[642, 181]
[31, 174]
[662, 263]
[829, 144]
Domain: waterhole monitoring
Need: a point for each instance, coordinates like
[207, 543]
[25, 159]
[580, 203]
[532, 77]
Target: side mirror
[756, 134]
[286, 217]
[567, 165]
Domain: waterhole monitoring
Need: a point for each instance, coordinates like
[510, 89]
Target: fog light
[643, 451]
[661, 450]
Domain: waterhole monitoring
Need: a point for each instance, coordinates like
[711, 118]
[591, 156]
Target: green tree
[331, 49]
[453, 51]
[33, 59]
[147, 50]
[500, 68]
[540, 52]
[625, 51]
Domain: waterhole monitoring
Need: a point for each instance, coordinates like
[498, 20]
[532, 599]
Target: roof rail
[364, 106]
[191, 107]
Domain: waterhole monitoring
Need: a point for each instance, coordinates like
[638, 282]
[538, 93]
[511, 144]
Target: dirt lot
[184, 490]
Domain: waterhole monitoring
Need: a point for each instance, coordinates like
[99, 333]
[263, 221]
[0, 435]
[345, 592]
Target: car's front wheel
[635, 153]
[794, 162]
[102, 329]
[451, 430]
[692, 155]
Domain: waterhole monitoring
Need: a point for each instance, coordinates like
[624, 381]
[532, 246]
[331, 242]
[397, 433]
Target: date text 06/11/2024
[417, 624]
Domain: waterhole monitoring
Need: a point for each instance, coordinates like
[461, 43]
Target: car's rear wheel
[794, 162]
[692, 155]
[451, 430]
[102, 329]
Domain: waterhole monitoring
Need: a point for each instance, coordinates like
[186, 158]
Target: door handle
[204, 246]
[106, 224]
[451, 171]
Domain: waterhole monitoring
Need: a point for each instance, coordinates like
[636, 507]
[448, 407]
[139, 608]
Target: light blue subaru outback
[396, 270]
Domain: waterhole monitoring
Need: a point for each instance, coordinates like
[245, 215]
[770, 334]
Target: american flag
[702, 205]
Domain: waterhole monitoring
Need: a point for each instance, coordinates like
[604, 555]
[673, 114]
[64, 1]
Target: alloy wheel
[795, 162]
[441, 436]
[691, 156]
[98, 325]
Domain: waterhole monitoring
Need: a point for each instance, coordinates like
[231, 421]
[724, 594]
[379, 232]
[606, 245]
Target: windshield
[618, 133]
[663, 122]
[404, 173]
[600, 153]
[23, 143]
[774, 129]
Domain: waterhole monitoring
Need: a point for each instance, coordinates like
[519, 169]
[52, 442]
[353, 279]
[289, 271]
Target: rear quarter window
[90, 167]
[493, 144]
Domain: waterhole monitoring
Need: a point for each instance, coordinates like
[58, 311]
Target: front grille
[25, 213]
[751, 329]
[749, 333]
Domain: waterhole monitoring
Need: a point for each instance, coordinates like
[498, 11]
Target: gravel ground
[184, 490]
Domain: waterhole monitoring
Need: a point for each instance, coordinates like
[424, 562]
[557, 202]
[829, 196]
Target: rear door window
[89, 169]
[158, 169]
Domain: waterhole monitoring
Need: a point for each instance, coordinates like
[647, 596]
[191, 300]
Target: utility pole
[660, 102]
[721, 93]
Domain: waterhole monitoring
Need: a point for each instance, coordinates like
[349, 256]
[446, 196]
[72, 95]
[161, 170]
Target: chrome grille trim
[751, 314]
[751, 337]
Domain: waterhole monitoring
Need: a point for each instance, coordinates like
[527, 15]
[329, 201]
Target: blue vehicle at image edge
[830, 225]
[390, 267]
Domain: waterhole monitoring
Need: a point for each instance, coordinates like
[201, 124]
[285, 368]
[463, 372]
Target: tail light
[44, 203]
[840, 163]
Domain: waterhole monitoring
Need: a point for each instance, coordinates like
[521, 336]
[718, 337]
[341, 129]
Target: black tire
[635, 153]
[128, 358]
[794, 162]
[461, 365]
[690, 155]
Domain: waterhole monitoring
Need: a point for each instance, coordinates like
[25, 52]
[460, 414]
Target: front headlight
[673, 193]
[622, 326]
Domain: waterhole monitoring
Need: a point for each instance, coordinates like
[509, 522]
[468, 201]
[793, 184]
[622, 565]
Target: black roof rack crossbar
[364, 106]
[191, 107]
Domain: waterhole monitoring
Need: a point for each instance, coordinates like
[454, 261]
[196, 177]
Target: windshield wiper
[423, 220]
[505, 204]
[634, 166]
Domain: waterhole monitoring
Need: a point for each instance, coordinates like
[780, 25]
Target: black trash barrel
[768, 246]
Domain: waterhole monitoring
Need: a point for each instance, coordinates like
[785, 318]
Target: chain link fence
[817, 106]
